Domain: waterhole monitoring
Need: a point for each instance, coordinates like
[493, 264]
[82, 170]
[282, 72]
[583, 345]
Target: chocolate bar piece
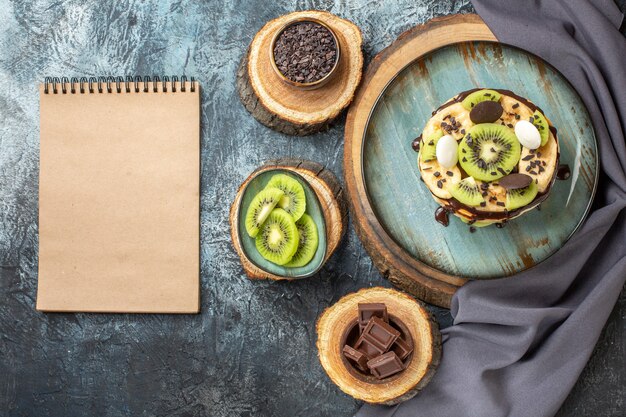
[380, 334]
[358, 358]
[385, 365]
[368, 348]
[401, 348]
[369, 310]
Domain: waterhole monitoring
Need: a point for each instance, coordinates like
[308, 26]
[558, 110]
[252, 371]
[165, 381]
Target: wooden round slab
[403, 270]
[418, 322]
[288, 109]
[331, 199]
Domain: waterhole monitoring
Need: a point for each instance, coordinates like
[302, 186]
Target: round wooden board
[394, 213]
[421, 366]
[288, 109]
[330, 195]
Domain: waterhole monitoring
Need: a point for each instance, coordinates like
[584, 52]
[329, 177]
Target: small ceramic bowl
[321, 81]
[313, 209]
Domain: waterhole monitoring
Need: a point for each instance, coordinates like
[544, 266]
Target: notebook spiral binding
[84, 85]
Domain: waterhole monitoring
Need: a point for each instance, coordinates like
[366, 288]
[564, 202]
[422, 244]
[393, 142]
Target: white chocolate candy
[446, 151]
[527, 134]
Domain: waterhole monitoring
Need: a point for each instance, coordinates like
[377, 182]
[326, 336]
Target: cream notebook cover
[119, 196]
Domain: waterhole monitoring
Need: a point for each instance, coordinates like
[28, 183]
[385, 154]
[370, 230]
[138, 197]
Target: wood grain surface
[251, 351]
[286, 108]
[399, 209]
[420, 368]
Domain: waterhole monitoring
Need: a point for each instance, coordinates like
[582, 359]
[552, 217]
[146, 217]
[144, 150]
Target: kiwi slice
[294, 200]
[477, 96]
[278, 239]
[260, 208]
[540, 122]
[467, 192]
[428, 148]
[489, 151]
[520, 197]
[307, 245]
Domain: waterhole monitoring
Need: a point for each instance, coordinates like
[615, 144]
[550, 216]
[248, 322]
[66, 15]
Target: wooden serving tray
[393, 212]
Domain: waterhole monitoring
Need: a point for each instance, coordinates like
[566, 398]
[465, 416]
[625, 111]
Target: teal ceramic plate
[313, 209]
[404, 205]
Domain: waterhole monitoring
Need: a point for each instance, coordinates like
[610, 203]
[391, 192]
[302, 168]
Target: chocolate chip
[436, 173]
[515, 181]
[500, 203]
[449, 173]
[483, 204]
[439, 184]
[486, 112]
[517, 117]
[527, 158]
[516, 105]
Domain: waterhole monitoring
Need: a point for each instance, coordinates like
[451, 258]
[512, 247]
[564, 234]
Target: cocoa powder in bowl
[305, 52]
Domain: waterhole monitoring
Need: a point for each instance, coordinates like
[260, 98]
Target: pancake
[492, 153]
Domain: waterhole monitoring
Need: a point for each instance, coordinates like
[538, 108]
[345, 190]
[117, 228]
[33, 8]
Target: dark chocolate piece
[369, 310]
[385, 365]
[486, 112]
[358, 358]
[368, 348]
[401, 348]
[515, 181]
[379, 334]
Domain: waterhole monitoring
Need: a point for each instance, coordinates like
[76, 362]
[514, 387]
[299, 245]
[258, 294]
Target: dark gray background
[251, 352]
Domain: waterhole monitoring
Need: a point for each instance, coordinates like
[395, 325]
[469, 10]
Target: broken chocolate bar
[368, 348]
[385, 365]
[401, 348]
[369, 310]
[358, 358]
[379, 334]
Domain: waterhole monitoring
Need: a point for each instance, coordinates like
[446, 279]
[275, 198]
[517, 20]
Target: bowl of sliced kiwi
[281, 225]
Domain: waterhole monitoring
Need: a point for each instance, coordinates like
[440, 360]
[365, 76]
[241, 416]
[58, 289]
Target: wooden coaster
[288, 109]
[419, 323]
[329, 192]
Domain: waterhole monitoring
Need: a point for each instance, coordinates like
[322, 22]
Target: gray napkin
[518, 345]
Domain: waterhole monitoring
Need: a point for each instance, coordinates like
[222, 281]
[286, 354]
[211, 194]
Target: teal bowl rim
[593, 134]
[243, 251]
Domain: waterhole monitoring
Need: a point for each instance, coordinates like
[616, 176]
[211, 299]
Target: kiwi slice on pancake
[477, 96]
[294, 200]
[278, 239]
[540, 122]
[428, 147]
[489, 151]
[520, 197]
[307, 245]
[467, 192]
[260, 208]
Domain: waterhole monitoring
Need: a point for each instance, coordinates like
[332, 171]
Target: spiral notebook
[119, 195]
